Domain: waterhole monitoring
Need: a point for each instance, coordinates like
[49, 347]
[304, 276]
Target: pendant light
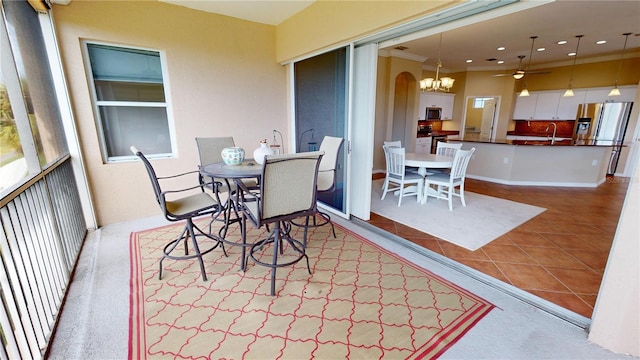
[615, 91]
[524, 91]
[437, 84]
[569, 91]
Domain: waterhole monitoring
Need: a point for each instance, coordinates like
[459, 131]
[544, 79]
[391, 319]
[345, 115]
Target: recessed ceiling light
[501, 48]
[571, 54]
[561, 42]
[600, 42]
[541, 49]
[469, 61]
[500, 61]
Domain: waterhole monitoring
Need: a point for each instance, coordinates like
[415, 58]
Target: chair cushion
[439, 177]
[191, 204]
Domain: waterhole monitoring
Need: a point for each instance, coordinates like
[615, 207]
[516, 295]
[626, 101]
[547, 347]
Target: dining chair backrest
[396, 143]
[447, 149]
[157, 191]
[460, 163]
[395, 162]
[210, 148]
[288, 186]
[327, 172]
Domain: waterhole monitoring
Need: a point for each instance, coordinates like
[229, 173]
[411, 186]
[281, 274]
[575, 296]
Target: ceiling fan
[519, 73]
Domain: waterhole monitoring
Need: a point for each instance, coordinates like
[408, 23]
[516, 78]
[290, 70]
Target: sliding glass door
[321, 86]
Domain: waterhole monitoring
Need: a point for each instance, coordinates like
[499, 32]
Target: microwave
[434, 113]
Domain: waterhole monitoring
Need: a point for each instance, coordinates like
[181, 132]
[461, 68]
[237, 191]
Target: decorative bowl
[233, 155]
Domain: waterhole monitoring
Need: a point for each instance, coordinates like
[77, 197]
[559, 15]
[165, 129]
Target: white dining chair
[398, 144]
[446, 183]
[446, 149]
[397, 177]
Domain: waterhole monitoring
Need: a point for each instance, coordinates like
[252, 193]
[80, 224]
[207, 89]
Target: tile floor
[559, 255]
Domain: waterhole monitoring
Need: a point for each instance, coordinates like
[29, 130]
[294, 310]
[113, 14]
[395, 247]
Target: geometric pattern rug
[361, 301]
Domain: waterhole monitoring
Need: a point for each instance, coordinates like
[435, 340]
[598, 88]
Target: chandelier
[438, 84]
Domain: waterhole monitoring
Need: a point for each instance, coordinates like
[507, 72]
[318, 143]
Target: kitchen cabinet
[440, 100]
[423, 145]
[548, 105]
[525, 107]
[600, 95]
[423, 103]
[568, 106]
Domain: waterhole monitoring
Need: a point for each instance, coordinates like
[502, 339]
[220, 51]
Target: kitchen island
[539, 163]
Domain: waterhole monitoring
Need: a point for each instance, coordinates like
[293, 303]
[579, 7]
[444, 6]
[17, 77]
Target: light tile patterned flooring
[559, 255]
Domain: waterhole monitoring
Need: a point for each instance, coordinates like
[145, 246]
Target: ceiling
[270, 12]
[550, 22]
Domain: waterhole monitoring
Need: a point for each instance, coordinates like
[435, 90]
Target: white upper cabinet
[552, 105]
[568, 106]
[599, 95]
[447, 106]
[424, 101]
[547, 105]
[440, 100]
[525, 107]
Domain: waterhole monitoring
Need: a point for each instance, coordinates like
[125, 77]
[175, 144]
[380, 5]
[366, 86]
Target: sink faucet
[553, 137]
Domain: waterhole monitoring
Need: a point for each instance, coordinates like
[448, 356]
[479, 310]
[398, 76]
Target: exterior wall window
[130, 101]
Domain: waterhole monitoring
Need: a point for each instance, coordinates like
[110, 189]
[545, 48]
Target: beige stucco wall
[328, 23]
[223, 81]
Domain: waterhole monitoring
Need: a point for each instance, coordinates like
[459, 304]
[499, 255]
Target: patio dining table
[248, 169]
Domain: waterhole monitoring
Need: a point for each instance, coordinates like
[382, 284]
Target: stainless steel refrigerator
[604, 123]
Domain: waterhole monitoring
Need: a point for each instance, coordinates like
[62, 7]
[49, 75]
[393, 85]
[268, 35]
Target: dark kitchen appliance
[424, 129]
[433, 113]
[435, 140]
[606, 122]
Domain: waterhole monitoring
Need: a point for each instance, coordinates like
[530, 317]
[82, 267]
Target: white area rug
[484, 219]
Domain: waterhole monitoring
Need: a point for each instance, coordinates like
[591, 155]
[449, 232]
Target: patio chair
[287, 191]
[326, 179]
[397, 177]
[186, 208]
[209, 151]
[446, 183]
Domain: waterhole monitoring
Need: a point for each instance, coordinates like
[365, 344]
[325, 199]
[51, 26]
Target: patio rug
[360, 302]
[484, 219]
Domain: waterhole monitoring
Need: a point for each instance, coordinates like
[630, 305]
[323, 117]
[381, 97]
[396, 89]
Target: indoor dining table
[248, 169]
[424, 161]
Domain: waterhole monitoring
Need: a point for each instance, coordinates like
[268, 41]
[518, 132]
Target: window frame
[97, 104]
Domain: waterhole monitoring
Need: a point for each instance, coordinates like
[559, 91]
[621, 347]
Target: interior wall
[223, 80]
[400, 107]
[385, 96]
[307, 31]
[599, 74]
[380, 127]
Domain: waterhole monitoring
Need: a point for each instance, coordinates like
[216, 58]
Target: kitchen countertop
[567, 142]
[439, 133]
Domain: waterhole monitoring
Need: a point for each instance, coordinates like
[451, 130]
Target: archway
[404, 122]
